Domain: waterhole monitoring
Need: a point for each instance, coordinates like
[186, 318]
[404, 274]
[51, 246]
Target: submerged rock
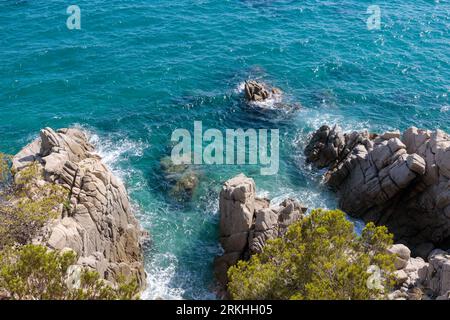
[97, 223]
[401, 181]
[182, 179]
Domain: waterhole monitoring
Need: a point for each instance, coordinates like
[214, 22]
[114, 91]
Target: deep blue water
[137, 70]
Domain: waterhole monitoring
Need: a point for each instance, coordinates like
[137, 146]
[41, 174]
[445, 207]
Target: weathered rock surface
[272, 222]
[417, 279]
[257, 91]
[265, 97]
[438, 275]
[247, 222]
[99, 225]
[402, 253]
[401, 181]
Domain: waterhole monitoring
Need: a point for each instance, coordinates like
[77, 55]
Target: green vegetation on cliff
[4, 167]
[25, 203]
[33, 272]
[320, 257]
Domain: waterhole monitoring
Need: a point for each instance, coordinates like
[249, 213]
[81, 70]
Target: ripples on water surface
[139, 69]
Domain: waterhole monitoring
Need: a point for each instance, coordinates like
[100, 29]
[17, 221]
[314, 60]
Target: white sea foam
[312, 199]
[445, 108]
[160, 274]
[240, 88]
[115, 149]
[317, 118]
[270, 103]
[162, 267]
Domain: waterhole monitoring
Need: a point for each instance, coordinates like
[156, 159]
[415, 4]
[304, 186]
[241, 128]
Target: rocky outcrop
[398, 180]
[247, 222]
[273, 222]
[97, 222]
[264, 97]
[420, 280]
[438, 275]
[257, 91]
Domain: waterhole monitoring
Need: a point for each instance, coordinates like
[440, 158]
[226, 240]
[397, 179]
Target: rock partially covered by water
[182, 179]
[258, 92]
[97, 223]
[401, 181]
[263, 97]
[247, 222]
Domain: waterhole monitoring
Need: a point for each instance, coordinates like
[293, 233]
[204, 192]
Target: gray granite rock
[99, 225]
[247, 222]
[401, 181]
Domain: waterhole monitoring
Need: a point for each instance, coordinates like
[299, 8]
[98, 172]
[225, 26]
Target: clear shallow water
[139, 69]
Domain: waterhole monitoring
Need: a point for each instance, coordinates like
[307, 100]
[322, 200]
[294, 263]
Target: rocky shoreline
[402, 181]
[393, 179]
[97, 221]
[398, 180]
[247, 222]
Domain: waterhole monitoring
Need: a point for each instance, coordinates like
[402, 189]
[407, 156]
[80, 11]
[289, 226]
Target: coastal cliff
[96, 221]
[248, 222]
[401, 181]
[393, 179]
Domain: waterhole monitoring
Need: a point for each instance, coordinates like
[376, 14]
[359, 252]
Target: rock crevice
[248, 222]
[97, 222]
[394, 179]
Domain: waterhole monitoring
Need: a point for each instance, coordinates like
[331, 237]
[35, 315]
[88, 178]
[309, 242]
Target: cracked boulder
[97, 223]
[257, 91]
[247, 222]
[398, 180]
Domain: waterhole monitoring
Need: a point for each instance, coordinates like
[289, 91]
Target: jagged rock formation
[257, 91]
[419, 280]
[438, 275]
[401, 181]
[247, 222]
[98, 224]
[273, 222]
[265, 97]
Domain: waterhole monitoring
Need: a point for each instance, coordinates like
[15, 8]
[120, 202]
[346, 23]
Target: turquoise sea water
[137, 70]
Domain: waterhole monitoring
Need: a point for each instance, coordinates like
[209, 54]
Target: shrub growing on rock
[27, 203]
[320, 257]
[5, 173]
[33, 272]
